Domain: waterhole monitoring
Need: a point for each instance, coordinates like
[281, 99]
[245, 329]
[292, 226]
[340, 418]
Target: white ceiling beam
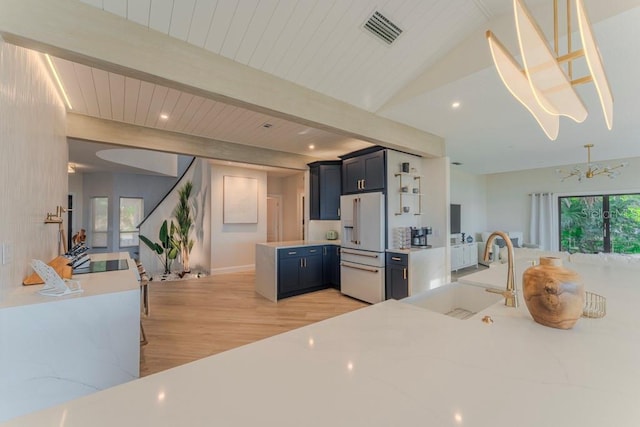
[117, 133]
[85, 34]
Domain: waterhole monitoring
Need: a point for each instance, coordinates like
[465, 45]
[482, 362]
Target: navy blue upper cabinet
[364, 170]
[324, 189]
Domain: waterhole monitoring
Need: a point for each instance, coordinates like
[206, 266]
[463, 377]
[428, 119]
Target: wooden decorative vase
[554, 295]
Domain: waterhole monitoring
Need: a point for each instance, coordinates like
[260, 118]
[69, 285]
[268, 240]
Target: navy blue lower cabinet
[288, 275]
[311, 271]
[397, 276]
[300, 270]
[331, 266]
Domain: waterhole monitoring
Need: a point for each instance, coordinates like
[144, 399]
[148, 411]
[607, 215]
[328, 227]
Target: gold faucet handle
[506, 294]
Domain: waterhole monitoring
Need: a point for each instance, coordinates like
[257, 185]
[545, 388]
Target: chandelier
[591, 169]
[542, 86]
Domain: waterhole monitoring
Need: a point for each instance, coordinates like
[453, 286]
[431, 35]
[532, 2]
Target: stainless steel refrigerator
[363, 244]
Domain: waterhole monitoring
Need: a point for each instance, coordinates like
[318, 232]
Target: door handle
[370, 270]
[404, 273]
[363, 184]
[344, 251]
[301, 263]
[395, 258]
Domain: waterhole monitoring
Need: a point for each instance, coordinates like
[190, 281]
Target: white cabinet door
[463, 255]
[470, 254]
[456, 257]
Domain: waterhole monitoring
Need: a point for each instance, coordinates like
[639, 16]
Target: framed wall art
[240, 200]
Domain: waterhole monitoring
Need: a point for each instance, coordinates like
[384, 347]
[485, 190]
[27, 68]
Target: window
[600, 223]
[131, 211]
[99, 221]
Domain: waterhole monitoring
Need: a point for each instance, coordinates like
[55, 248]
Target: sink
[455, 299]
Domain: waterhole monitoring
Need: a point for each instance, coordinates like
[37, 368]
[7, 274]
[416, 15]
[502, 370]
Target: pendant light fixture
[591, 170]
[542, 85]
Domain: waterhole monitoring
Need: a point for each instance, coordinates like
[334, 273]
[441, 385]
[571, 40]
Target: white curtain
[543, 229]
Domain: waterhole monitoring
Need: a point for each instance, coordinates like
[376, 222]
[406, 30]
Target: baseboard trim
[234, 269]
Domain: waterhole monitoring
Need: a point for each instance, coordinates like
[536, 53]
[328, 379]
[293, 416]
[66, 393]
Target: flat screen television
[454, 222]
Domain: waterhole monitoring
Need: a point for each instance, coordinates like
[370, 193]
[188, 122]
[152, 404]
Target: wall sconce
[55, 218]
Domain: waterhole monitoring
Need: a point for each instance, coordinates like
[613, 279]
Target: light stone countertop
[92, 284]
[297, 243]
[393, 364]
[411, 250]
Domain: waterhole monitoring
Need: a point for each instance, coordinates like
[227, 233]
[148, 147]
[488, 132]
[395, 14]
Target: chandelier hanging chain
[591, 169]
[571, 55]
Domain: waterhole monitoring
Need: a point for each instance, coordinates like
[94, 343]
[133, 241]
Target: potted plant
[184, 218]
[167, 246]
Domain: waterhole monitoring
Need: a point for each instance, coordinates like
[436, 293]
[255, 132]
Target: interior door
[273, 219]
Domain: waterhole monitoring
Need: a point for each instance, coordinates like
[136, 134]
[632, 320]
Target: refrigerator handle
[354, 237]
[356, 220]
[359, 216]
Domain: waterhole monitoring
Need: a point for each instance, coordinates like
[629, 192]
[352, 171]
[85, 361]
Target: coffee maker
[419, 237]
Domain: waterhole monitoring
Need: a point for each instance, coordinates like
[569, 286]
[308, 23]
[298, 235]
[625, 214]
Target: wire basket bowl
[595, 306]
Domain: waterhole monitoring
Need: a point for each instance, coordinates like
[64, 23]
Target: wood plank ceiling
[319, 44]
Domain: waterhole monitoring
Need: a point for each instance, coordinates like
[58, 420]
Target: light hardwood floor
[193, 319]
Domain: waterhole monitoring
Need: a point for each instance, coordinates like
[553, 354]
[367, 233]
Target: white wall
[233, 245]
[409, 219]
[200, 257]
[34, 154]
[501, 201]
[294, 189]
[318, 229]
[436, 190]
[470, 192]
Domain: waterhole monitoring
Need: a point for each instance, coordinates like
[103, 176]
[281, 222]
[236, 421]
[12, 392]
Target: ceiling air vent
[381, 27]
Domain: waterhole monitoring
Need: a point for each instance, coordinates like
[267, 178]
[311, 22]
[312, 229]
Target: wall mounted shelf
[404, 179]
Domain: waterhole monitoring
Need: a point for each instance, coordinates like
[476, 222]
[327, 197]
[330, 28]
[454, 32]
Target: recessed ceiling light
[455, 105]
[456, 163]
[267, 125]
[164, 116]
[311, 146]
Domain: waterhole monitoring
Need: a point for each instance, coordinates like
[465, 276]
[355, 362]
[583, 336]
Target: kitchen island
[54, 349]
[269, 279]
[393, 364]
